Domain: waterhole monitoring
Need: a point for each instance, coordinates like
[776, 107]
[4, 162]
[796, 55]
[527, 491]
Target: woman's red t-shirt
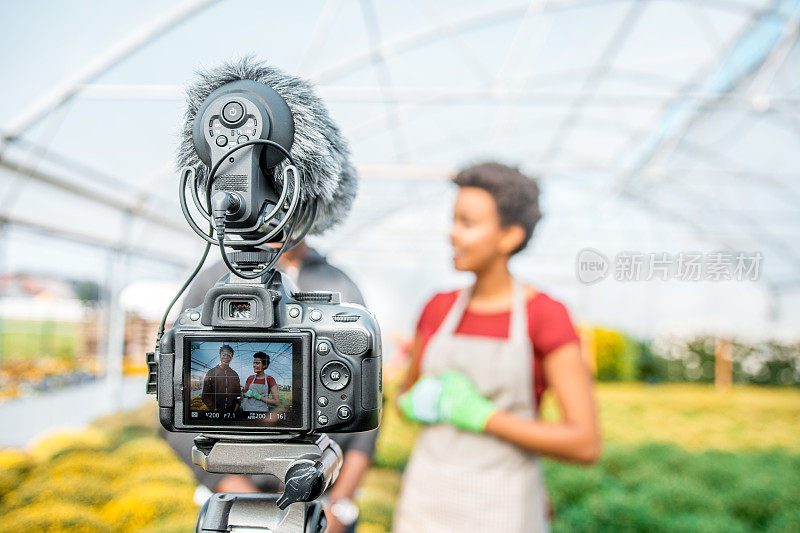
[549, 327]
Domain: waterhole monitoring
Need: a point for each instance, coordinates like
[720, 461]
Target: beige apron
[461, 481]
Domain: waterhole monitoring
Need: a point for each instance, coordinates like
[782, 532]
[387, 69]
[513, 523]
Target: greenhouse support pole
[3, 247]
[723, 364]
[115, 333]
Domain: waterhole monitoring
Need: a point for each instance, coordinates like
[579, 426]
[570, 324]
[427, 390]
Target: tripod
[308, 466]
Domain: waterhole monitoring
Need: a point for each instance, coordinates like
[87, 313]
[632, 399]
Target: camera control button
[294, 312]
[335, 375]
[322, 419]
[242, 139]
[316, 315]
[322, 401]
[323, 348]
[194, 316]
[222, 140]
[232, 112]
[344, 412]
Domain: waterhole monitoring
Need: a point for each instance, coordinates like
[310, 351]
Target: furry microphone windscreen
[320, 151]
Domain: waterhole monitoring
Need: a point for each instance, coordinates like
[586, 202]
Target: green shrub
[174, 524]
[80, 490]
[671, 458]
[95, 464]
[122, 427]
[396, 436]
[376, 498]
[683, 495]
[692, 359]
[127, 432]
[704, 523]
[652, 368]
[716, 470]
[611, 510]
[376, 510]
[368, 527]
[14, 465]
[568, 484]
[617, 459]
[381, 483]
[787, 521]
[54, 517]
[174, 473]
[144, 451]
[616, 356]
[755, 503]
[143, 505]
[65, 442]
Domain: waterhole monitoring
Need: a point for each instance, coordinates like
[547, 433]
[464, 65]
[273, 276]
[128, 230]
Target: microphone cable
[183, 288]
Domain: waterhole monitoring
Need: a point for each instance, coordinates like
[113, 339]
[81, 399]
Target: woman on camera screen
[482, 358]
[260, 389]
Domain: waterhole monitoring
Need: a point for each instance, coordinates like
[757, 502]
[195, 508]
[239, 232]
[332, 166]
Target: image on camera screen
[252, 383]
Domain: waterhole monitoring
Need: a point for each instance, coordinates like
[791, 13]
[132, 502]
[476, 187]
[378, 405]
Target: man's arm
[238, 393]
[208, 390]
[414, 367]
[358, 450]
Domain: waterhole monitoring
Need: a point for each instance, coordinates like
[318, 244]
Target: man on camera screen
[221, 386]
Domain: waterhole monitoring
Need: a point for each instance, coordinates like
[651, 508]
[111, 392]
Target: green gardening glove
[461, 405]
[256, 395]
[421, 403]
[248, 394]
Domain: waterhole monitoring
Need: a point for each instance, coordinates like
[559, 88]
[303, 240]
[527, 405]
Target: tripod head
[307, 465]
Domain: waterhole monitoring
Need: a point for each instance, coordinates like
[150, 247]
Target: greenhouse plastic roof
[653, 125]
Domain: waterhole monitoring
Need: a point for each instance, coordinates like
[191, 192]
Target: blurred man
[221, 386]
[310, 271]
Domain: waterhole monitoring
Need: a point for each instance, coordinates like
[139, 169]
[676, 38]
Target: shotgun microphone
[261, 131]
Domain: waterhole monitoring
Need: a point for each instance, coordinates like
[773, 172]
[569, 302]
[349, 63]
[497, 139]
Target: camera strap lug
[152, 373]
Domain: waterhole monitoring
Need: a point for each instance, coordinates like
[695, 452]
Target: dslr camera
[263, 370]
[323, 357]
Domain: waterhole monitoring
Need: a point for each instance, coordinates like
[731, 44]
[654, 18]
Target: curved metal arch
[779, 245]
[675, 121]
[55, 232]
[441, 31]
[92, 195]
[65, 91]
[471, 22]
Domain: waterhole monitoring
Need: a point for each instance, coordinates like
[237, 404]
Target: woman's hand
[452, 398]
[421, 403]
[461, 404]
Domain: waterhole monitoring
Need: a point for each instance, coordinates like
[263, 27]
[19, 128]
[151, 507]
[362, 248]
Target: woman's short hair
[264, 358]
[515, 194]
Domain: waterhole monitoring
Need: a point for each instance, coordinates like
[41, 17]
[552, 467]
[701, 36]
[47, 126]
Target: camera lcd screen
[250, 383]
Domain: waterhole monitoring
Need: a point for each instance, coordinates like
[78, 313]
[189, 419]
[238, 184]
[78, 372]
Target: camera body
[323, 358]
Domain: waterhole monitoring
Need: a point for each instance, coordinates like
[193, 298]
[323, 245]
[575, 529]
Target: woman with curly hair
[481, 360]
